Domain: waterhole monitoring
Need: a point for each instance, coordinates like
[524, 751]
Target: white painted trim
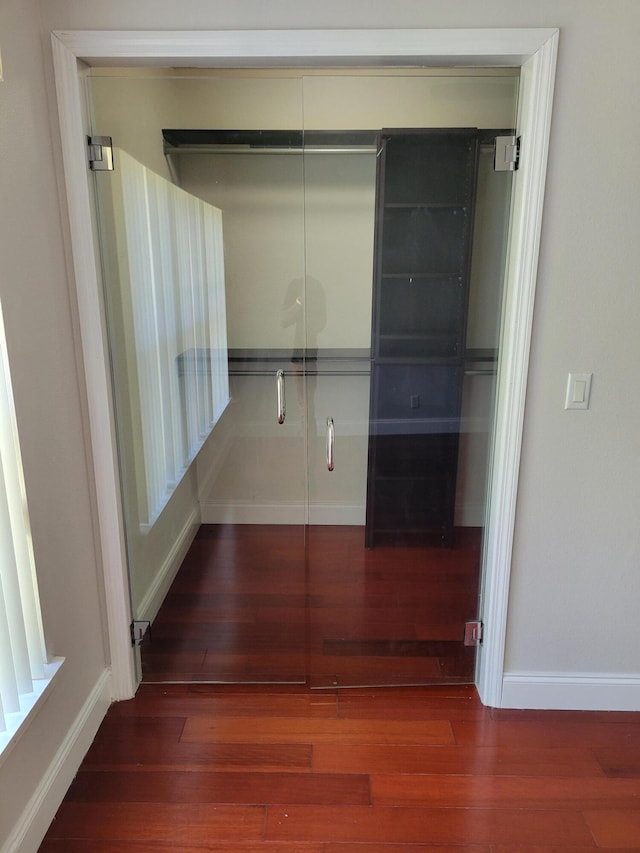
[571, 691]
[31, 826]
[308, 47]
[534, 49]
[534, 125]
[155, 595]
[96, 366]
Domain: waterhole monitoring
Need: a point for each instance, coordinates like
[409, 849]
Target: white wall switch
[578, 391]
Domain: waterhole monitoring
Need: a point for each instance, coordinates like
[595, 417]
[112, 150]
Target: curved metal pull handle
[331, 442]
[282, 405]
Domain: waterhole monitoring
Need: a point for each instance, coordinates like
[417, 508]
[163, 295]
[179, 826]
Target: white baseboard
[155, 595]
[31, 826]
[330, 514]
[295, 513]
[571, 692]
[241, 513]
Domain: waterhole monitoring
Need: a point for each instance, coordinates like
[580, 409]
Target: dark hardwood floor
[194, 768]
[264, 604]
[197, 767]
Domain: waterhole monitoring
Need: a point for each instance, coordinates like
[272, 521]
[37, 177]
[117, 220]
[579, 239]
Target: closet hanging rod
[214, 141]
[250, 149]
[170, 150]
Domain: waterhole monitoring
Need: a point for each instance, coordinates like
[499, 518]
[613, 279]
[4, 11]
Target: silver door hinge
[507, 154]
[473, 633]
[139, 631]
[100, 153]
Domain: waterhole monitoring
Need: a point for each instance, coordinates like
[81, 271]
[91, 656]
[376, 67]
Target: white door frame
[533, 50]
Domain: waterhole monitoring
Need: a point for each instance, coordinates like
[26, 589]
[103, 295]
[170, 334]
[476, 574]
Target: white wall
[40, 325]
[575, 579]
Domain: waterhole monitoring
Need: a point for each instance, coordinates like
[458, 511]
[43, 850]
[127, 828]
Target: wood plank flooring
[211, 767]
[260, 604]
[194, 768]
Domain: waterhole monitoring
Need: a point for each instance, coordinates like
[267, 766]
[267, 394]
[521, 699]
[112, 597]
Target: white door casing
[533, 50]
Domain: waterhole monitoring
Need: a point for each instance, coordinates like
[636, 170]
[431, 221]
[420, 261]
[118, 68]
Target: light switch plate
[578, 391]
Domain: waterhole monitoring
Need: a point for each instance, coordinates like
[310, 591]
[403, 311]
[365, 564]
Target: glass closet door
[304, 332]
[405, 234]
[340, 182]
[203, 252]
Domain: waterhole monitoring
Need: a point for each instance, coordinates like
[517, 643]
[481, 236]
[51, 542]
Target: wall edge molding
[534, 123]
[87, 288]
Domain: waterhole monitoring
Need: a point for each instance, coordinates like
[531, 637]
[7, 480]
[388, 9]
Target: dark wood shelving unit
[426, 186]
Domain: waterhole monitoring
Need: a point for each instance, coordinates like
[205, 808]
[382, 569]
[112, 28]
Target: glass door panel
[323, 304]
[404, 374]
[220, 275]
[339, 217]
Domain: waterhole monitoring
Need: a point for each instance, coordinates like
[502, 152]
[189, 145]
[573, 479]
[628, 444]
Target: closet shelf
[426, 194]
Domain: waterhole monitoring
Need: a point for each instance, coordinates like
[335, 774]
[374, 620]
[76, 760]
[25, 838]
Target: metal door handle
[331, 441]
[282, 406]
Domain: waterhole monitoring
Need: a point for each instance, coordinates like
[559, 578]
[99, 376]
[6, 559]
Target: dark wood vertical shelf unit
[426, 187]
